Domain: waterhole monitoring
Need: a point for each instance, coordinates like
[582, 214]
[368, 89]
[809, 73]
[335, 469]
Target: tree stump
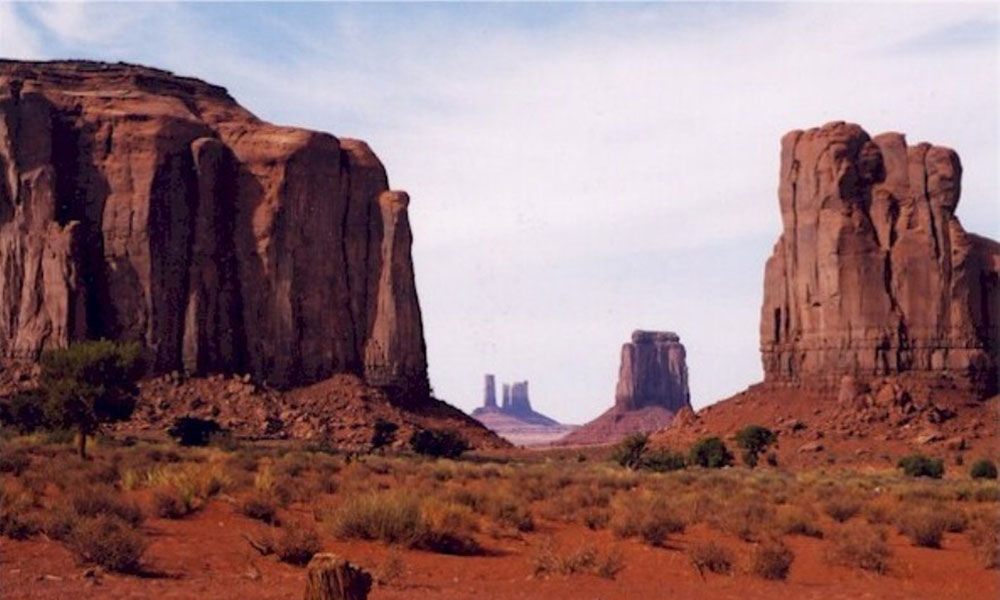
[330, 577]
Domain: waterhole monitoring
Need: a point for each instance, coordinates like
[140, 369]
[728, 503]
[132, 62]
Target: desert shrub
[296, 544]
[169, 504]
[508, 511]
[990, 493]
[108, 541]
[14, 462]
[985, 540]
[918, 465]
[880, 511]
[260, 506]
[650, 517]
[59, 524]
[983, 468]
[841, 507]
[710, 556]
[18, 527]
[797, 520]
[771, 560]
[438, 443]
[103, 501]
[596, 518]
[662, 461]
[90, 383]
[710, 453]
[193, 431]
[746, 518]
[754, 439]
[924, 526]
[550, 559]
[24, 411]
[629, 452]
[862, 547]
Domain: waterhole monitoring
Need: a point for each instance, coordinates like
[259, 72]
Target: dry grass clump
[881, 510]
[296, 544]
[107, 541]
[16, 501]
[923, 525]
[398, 517]
[649, 516]
[772, 560]
[748, 519]
[710, 556]
[260, 506]
[168, 504]
[985, 539]
[797, 520]
[104, 501]
[551, 560]
[860, 546]
[842, 506]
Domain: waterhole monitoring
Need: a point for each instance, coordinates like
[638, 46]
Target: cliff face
[873, 274]
[653, 372]
[137, 205]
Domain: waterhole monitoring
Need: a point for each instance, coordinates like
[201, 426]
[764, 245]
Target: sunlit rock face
[137, 205]
[873, 275]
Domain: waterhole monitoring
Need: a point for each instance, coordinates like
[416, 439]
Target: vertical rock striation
[873, 274]
[137, 205]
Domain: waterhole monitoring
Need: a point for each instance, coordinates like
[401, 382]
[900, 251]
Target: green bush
[754, 439]
[438, 443]
[383, 433]
[24, 411]
[711, 453]
[629, 452]
[983, 468]
[192, 431]
[918, 465]
[664, 460]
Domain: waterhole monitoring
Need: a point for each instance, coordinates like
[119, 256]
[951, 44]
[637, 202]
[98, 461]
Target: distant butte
[652, 388]
[514, 419]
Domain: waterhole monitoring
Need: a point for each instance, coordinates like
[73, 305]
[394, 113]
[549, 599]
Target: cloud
[581, 171]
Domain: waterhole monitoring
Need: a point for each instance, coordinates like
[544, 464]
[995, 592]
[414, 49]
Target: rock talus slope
[138, 205]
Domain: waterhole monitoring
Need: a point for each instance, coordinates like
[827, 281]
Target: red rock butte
[873, 275]
[138, 205]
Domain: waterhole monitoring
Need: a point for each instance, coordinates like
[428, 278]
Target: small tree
[711, 453]
[629, 452]
[90, 383]
[664, 460]
[754, 440]
[383, 434]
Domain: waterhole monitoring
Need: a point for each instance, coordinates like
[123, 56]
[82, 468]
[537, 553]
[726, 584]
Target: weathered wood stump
[330, 577]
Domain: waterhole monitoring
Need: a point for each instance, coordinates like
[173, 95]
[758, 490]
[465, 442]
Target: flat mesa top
[640, 336]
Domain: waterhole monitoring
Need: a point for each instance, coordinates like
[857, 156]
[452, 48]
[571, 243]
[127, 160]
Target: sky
[577, 171]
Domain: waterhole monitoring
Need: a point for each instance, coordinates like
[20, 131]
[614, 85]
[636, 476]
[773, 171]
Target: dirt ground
[205, 556]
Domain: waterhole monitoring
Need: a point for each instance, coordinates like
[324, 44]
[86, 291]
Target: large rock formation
[137, 205]
[873, 274]
[652, 388]
[653, 372]
[514, 419]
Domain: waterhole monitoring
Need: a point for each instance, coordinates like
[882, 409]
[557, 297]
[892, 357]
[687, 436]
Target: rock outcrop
[873, 275]
[653, 372]
[138, 205]
[652, 388]
[514, 419]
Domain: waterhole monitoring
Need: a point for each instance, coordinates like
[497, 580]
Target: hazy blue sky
[577, 171]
